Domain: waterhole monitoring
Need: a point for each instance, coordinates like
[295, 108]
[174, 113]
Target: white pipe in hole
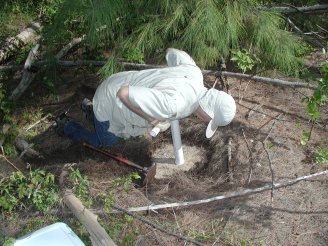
[176, 137]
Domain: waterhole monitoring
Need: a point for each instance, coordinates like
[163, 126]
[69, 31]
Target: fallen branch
[271, 170]
[265, 80]
[98, 234]
[245, 192]
[299, 31]
[27, 77]
[4, 157]
[63, 52]
[26, 148]
[36, 123]
[250, 171]
[129, 65]
[230, 169]
[315, 9]
[12, 44]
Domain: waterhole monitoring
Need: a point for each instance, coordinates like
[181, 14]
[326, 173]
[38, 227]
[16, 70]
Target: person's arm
[123, 95]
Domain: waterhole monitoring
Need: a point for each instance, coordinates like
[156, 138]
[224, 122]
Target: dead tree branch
[271, 170]
[245, 192]
[314, 9]
[98, 234]
[129, 65]
[250, 171]
[26, 148]
[28, 75]
[229, 164]
[63, 52]
[4, 157]
[14, 43]
[265, 80]
[314, 42]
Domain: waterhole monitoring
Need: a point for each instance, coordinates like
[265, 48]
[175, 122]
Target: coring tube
[176, 137]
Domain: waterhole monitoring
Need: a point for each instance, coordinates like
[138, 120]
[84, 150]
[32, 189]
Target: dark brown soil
[297, 215]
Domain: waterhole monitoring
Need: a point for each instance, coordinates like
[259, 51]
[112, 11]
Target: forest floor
[296, 215]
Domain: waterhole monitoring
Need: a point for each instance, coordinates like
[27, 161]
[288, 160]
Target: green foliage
[321, 156]
[81, 186]
[23, 53]
[134, 55]
[319, 97]
[49, 84]
[110, 68]
[31, 117]
[245, 61]
[121, 229]
[9, 140]
[205, 29]
[5, 105]
[37, 188]
[305, 137]
[81, 231]
[9, 241]
[125, 182]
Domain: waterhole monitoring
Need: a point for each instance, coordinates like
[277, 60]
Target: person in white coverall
[128, 103]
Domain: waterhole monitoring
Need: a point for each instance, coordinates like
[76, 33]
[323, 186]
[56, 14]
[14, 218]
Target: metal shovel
[148, 173]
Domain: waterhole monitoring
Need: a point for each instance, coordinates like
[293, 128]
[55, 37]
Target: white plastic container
[58, 234]
[154, 131]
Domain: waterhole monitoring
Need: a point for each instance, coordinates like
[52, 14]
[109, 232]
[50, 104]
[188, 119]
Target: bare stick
[250, 171]
[230, 171]
[241, 98]
[128, 65]
[67, 47]
[27, 77]
[299, 31]
[312, 126]
[271, 170]
[274, 122]
[34, 124]
[318, 8]
[245, 192]
[127, 211]
[265, 80]
[4, 157]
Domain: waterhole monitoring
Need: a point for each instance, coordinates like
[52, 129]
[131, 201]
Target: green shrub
[37, 189]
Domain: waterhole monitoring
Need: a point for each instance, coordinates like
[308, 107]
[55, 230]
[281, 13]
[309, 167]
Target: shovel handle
[114, 156]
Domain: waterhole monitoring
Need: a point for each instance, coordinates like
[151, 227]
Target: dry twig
[245, 192]
[271, 170]
[4, 157]
[250, 171]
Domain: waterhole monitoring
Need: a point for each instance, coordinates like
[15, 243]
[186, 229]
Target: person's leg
[78, 133]
[100, 138]
[105, 138]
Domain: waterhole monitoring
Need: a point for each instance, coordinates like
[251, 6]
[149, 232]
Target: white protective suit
[165, 94]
